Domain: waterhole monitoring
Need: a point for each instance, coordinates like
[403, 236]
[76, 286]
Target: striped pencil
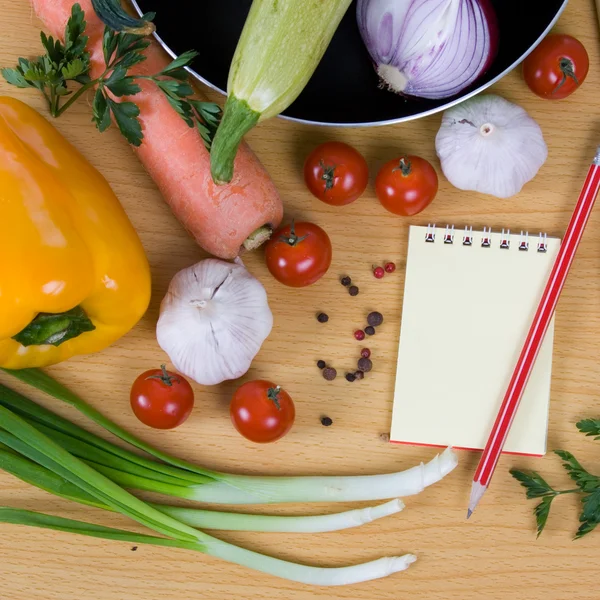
[535, 337]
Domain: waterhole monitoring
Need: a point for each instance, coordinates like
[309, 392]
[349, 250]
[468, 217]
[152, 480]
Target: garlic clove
[213, 321]
[489, 145]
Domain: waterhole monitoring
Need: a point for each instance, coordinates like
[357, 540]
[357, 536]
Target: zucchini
[280, 47]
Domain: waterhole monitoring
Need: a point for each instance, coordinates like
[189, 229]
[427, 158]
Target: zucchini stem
[238, 118]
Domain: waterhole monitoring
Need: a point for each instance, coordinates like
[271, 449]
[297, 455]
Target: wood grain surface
[495, 555]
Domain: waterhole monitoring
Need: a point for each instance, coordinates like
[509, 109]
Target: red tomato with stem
[299, 254]
[336, 173]
[557, 67]
[261, 411]
[406, 185]
[161, 399]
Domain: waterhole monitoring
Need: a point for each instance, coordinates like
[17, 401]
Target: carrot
[220, 218]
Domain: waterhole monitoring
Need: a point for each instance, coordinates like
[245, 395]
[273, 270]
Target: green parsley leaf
[15, 77]
[109, 44]
[585, 481]
[209, 117]
[541, 512]
[125, 86]
[174, 89]
[183, 60]
[74, 69]
[131, 58]
[126, 116]
[585, 528]
[591, 427]
[54, 48]
[75, 40]
[536, 486]
[101, 111]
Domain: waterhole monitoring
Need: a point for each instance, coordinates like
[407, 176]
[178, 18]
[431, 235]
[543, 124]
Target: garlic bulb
[490, 145]
[213, 321]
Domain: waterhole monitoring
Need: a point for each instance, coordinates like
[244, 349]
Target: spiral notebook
[469, 299]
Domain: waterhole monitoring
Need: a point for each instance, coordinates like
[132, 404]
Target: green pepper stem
[55, 328]
[238, 119]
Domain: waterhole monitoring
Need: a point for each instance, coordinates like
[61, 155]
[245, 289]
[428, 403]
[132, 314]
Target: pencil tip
[469, 513]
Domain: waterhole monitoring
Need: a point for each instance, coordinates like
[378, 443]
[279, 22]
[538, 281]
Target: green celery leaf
[126, 116]
[100, 111]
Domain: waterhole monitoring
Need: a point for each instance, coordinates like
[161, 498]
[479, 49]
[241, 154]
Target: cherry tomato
[336, 173]
[161, 399]
[406, 185]
[298, 254]
[557, 67]
[261, 411]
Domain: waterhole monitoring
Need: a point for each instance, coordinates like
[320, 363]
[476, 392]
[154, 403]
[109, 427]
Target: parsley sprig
[587, 485]
[69, 62]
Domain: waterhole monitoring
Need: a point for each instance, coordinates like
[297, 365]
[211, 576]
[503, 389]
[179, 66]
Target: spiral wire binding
[468, 236]
[524, 241]
[430, 233]
[486, 239]
[449, 235]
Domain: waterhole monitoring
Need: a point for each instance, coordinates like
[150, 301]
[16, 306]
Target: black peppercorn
[353, 290]
[375, 319]
[326, 421]
[359, 375]
[345, 281]
[350, 376]
[365, 365]
[321, 364]
[370, 330]
[329, 373]
[322, 317]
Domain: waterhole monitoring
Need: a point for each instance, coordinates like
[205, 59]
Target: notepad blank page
[466, 313]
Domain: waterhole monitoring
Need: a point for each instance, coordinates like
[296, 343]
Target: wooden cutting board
[493, 556]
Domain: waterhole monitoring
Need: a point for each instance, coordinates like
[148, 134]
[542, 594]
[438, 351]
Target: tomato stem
[568, 70]
[404, 166]
[165, 377]
[328, 174]
[273, 394]
[292, 239]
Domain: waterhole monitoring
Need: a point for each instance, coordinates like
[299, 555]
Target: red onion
[429, 48]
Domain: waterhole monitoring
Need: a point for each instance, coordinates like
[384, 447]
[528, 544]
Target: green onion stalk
[29, 442]
[165, 474]
[29, 471]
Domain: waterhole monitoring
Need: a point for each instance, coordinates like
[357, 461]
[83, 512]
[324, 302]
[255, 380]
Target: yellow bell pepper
[73, 274]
